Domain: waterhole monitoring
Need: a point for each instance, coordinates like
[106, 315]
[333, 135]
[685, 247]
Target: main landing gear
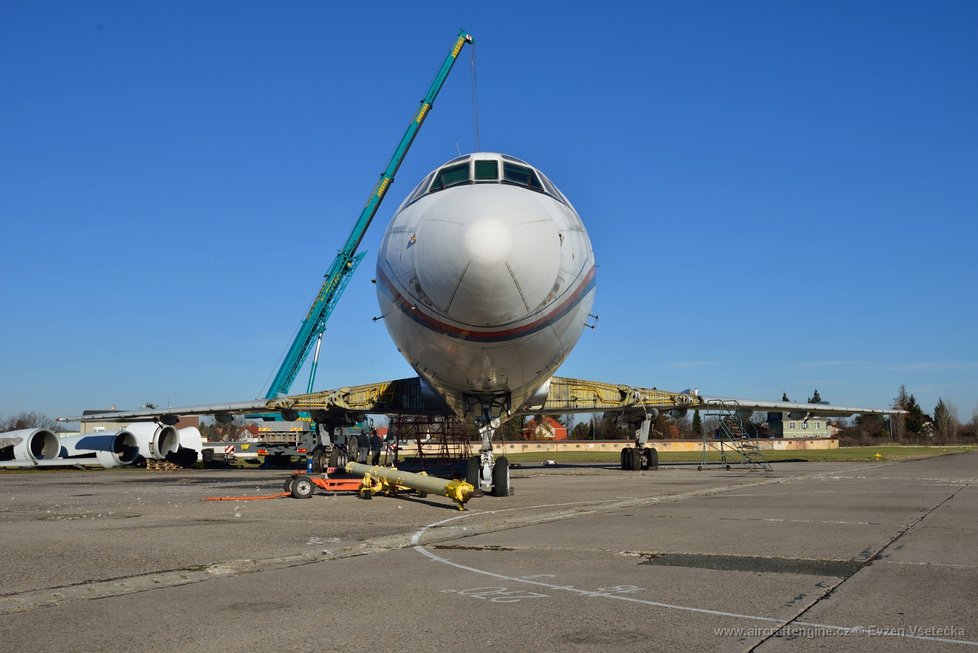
[638, 458]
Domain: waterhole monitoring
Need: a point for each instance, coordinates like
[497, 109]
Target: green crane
[347, 259]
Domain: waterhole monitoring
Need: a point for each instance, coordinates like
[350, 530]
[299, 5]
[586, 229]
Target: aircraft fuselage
[485, 278]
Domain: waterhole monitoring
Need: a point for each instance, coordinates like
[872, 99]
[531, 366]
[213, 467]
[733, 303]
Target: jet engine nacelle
[29, 445]
[678, 413]
[191, 444]
[155, 441]
[114, 449]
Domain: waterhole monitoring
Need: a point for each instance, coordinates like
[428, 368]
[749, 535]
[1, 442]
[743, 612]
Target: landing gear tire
[472, 471]
[651, 458]
[625, 464]
[500, 477]
[635, 458]
[288, 484]
[302, 487]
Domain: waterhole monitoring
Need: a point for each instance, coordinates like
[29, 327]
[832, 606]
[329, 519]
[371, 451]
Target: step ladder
[735, 441]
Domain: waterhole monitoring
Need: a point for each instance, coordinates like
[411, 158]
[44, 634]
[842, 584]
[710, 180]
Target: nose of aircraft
[487, 256]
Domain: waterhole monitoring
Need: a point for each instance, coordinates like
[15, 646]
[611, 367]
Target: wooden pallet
[162, 465]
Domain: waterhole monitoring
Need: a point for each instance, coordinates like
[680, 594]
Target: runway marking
[498, 594]
[603, 593]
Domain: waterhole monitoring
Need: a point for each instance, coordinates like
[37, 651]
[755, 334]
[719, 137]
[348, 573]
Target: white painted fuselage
[485, 278]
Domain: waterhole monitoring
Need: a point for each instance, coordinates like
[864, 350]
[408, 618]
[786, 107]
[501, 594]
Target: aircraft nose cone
[488, 242]
[493, 262]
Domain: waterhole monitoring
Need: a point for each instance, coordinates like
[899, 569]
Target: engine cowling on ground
[29, 445]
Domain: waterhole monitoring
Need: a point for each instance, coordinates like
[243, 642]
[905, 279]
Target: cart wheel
[302, 487]
[288, 484]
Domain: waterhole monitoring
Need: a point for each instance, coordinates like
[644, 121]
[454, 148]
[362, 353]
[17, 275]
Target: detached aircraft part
[116, 449]
[29, 445]
[155, 441]
[191, 445]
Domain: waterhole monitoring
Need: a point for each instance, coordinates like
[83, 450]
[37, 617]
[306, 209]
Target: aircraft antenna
[475, 100]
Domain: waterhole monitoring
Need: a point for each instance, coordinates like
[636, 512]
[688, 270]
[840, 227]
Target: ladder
[734, 440]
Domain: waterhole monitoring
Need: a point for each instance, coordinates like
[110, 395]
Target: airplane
[486, 279]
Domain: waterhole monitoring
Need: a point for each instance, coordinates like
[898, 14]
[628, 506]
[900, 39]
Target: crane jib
[347, 259]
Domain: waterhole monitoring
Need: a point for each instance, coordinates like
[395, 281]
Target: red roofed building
[551, 429]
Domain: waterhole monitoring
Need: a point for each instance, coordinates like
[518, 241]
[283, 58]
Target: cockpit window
[521, 176]
[551, 189]
[467, 170]
[420, 189]
[487, 170]
[451, 176]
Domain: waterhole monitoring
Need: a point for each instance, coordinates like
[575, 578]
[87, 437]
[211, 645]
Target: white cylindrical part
[431, 484]
[112, 449]
[190, 439]
[155, 441]
[28, 445]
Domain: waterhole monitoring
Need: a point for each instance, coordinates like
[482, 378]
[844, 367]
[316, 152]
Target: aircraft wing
[401, 396]
[580, 396]
[412, 397]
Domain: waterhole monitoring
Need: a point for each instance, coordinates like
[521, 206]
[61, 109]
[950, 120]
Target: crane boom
[347, 258]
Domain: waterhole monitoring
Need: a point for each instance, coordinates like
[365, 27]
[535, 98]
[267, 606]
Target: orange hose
[267, 496]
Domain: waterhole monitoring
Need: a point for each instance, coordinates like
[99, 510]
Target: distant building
[782, 426]
[550, 429]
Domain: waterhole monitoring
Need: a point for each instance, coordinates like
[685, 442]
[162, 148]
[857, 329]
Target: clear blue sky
[781, 196]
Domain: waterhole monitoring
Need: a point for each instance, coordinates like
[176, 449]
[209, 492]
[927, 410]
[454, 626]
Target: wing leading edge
[412, 397]
[583, 396]
[402, 396]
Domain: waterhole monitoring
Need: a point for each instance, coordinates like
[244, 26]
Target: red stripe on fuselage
[428, 321]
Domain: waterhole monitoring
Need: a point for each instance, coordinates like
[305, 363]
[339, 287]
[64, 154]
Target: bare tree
[29, 420]
[974, 421]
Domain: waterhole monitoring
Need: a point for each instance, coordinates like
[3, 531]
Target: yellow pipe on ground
[388, 479]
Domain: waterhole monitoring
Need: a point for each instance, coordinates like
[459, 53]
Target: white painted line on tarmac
[875, 631]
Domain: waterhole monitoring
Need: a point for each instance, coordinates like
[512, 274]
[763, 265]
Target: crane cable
[475, 99]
